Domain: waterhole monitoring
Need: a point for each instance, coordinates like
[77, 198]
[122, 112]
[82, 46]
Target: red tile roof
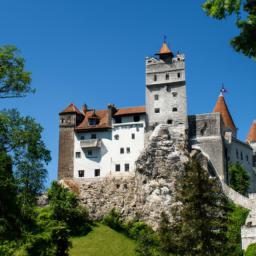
[252, 133]
[222, 108]
[130, 111]
[71, 109]
[102, 115]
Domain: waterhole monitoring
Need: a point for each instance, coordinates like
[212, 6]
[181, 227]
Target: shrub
[251, 250]
[113, 220]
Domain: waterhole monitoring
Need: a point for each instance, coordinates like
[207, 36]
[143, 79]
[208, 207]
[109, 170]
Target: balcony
[90, 143]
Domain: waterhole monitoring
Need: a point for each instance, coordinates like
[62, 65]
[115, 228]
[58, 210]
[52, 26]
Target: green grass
[103, 241]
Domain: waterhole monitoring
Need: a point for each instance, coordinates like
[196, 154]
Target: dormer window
[93, 121]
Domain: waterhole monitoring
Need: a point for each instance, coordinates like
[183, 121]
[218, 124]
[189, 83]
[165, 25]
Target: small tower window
[81, 173]
[133, 136]
[128, 150]
[174, 94]
[174, 109]
[136, 118]
[117, 167]
[127, 167]
[116, 137]
[178, 75]
[167, 76]
[78, 154]
[93, 136]
[155, 78]
[157, 110]
[169, 121]
[156, 97]
[97, 172]
[121, 150]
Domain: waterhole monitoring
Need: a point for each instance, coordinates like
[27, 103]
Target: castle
[99, 143]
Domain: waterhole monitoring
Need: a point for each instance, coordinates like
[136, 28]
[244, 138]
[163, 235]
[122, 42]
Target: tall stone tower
[251, 139]
[166, 100]
[69, 119]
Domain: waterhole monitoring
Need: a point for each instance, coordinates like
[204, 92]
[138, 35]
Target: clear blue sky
[93, 52]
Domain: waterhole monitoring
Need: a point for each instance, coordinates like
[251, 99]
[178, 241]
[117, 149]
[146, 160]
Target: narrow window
[136, 118]
[97, 172]
[174, 94]
[62, 120]
[128, 150]
[242, 156]
[118, 168]
[127, 167]
[82, 137]
[169, 121]
[93, 136]
[174, 110]
[116, 137]
[156, 97]
[81, 173]
[237, 154]
[78, 154]
[133, 136]
[178, 75]
[247, 158]
[121, 150]
[167, 76]
[155, 78]
[157, 110]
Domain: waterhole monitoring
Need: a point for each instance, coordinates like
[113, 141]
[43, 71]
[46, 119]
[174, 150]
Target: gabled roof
[71, 108]
[130, 111]
[102, 116]
[222, 108]
[252, 133]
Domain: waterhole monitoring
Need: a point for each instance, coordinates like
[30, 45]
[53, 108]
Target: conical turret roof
[252, 133]
[222, 108]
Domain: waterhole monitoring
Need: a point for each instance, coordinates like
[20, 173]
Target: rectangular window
[118, 119]
[121, 150]
[174, 110]
[93, 136]
[82, 137]
[127, 167]
[133, 136]
[242, 156]
[156, 97]
[174, 94]
[155, 78]
[81, 173]
[136, 118]
[118, 168]
[178, 75]
[157, 110]
[167, 76]
[128, 150]
[97, 172]
[78, 154]
[89, 153]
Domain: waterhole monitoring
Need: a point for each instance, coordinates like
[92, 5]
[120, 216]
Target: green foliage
[245, 42]
[251, 250]
[113, 220]
[239, 178]
[66, 208]
[14, 80]
[9, 208]
[236, 219]
[21, 137]
[201, 217]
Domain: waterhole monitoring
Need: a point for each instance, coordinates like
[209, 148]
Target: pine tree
[200, 217]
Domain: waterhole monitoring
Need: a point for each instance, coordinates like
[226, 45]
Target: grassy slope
[103, 241]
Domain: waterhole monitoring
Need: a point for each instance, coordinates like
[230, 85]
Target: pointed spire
[222, 108]
[71, 109]
[252, 133]
[165, 51]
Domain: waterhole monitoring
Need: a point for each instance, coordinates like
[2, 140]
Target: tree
[245, 42]
[14, 80]
[200, 217]
[21, 138]
[239, 178]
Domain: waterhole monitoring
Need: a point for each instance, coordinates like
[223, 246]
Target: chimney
[111, 112]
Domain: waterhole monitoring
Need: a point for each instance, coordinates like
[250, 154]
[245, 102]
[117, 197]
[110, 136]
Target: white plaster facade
[99, 153]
